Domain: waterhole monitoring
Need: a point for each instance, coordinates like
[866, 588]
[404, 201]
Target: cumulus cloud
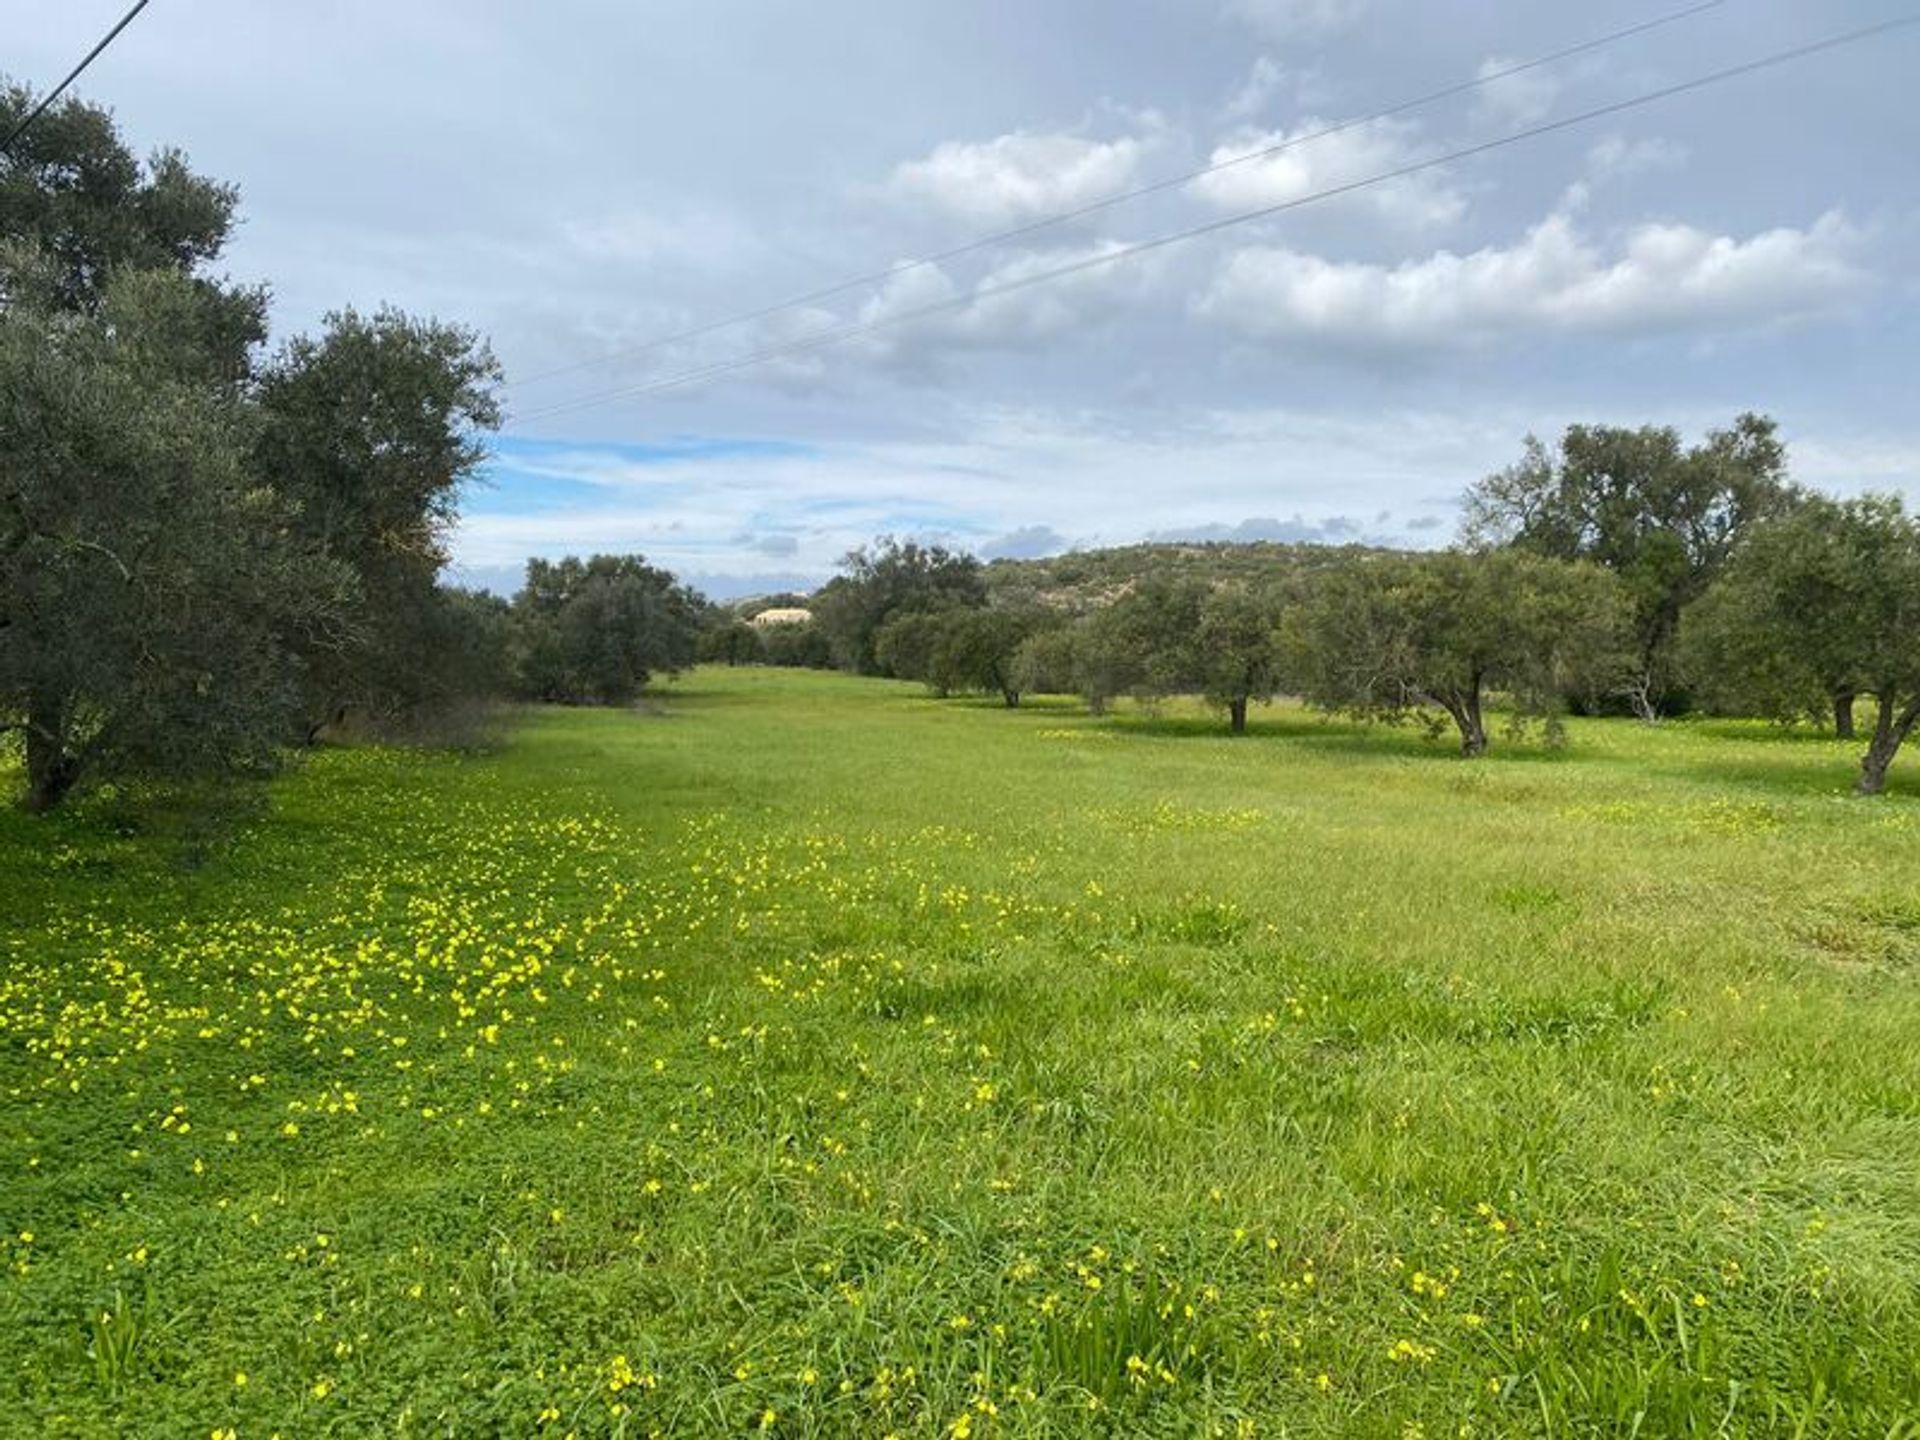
[1661, 278]
[1001, 311]
[1304, 166]
[1287, 19]
[1021, 176]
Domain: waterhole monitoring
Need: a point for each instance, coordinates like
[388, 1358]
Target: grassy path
[815, 1058]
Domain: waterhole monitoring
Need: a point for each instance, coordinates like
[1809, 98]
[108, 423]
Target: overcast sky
[578, 179]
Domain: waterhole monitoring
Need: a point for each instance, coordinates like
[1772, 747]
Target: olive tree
[149, 584]
[1663, 516]
[374, 428]
[153, 586]
[879, 584]
[1384, 635]
[596, 631]
[1825, 599]
[1236, 648]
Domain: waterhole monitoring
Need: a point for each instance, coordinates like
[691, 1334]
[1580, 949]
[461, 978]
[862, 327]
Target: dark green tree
[730, 641]
[596, 631]
[374, 429]
[1664, 517]
[961, 649]
[880, 583]
[1387, 635]
[148, 582]
[1237, 650]
[86, 209]
[801, 646]
[1821, 601]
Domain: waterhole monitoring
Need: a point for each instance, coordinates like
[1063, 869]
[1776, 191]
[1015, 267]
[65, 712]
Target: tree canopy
[1663, 516]
[1388, 635]
[201, 555]
[1822, 601]
[891, 578]
[596, 630]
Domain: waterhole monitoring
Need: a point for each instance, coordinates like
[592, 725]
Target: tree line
[1619, 569]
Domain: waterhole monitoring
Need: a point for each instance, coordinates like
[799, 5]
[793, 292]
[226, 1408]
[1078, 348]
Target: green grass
[816, 1056]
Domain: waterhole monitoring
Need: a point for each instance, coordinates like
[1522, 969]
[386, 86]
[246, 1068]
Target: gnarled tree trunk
[1464, 707]
[1890, 730]
[1843, 715]
[51, 769]
[1237, 714]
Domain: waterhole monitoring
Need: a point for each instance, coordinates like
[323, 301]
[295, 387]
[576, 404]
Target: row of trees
[1618, 569]
[1373, 633]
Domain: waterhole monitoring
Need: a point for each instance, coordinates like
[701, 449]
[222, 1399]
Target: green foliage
[1823, 602]
[596, 631]
[730, 642]
[880, 583]
[1663, 517]
[72, 193]
[657, 1072]
[373, 429]
[1085, 580]
[201, 560]
[1387, 635]
[148, 584]
[960, 649]
[803, 647]
[1238, 646]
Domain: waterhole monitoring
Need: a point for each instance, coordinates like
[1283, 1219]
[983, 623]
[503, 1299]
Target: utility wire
[851, 332]
[72, 75]
[1034, 227]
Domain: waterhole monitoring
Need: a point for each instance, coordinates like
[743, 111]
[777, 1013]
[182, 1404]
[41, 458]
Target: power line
[72, 75]
[850, 332]
[1065, 217]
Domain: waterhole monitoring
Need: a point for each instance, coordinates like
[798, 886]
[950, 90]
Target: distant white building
[793, 615]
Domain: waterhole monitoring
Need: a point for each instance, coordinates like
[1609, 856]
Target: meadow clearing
[810, 1057]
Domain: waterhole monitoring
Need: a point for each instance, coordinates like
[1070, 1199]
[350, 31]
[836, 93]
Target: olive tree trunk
[1237, 714]
[1890, 730]
[1464, 707]
[1843, 715]
[51, 768]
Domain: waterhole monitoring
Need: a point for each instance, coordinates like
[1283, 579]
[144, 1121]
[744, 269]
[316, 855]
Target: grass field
[810, 1057]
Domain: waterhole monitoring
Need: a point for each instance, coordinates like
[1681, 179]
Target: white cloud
[1514, 100]
[966, 318]
[1661, 278]
[1289, 18]
[1021, 176]
[1305, 166]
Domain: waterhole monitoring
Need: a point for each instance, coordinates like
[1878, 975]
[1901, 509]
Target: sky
[580, 182]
